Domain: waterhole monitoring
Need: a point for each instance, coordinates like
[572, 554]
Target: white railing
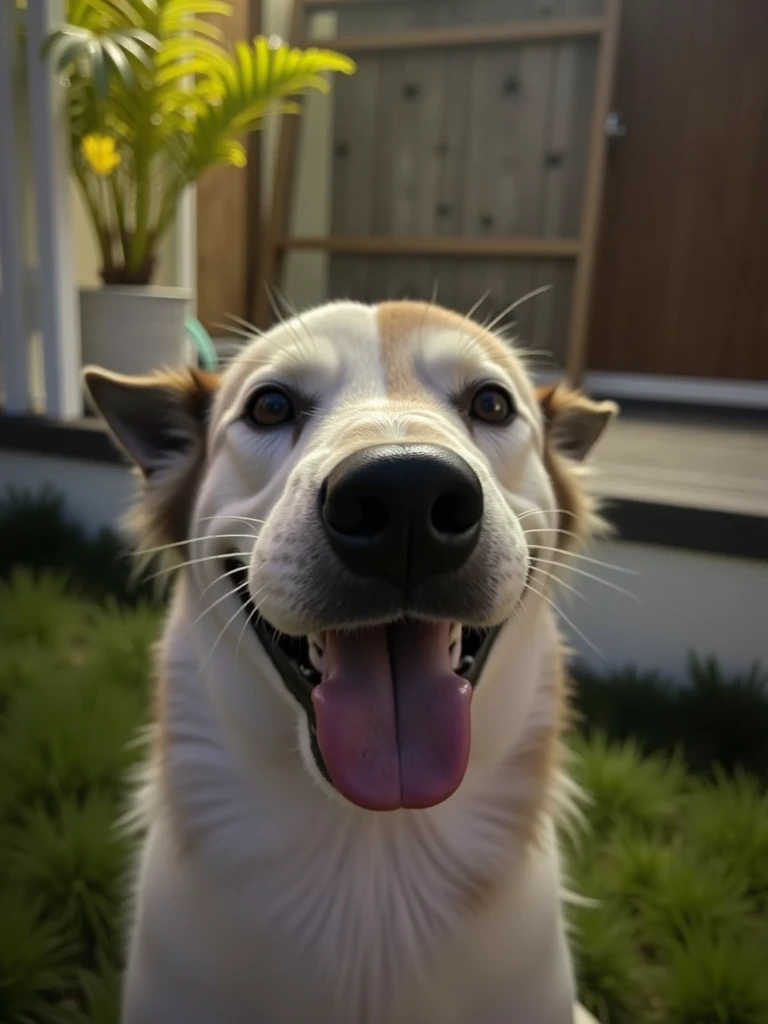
[39, 296]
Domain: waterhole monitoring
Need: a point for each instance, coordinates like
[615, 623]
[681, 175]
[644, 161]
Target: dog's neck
[307, 865]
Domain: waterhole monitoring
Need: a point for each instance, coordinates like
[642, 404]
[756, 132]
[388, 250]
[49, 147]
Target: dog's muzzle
[402, 512]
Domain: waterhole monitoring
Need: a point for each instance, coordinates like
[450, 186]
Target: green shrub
[610, 973]
[713, 979]
[37, 959]
[624, 788]
[63, 738]
[74, 860]
[728, 821]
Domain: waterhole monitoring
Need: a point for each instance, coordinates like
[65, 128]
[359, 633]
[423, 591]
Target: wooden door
[682, 278]
[228, 214]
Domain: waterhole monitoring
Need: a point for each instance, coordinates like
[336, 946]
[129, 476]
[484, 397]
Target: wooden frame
[472, 35]
[227, 207]
[277, 240]
[576, 350]
[374, 245]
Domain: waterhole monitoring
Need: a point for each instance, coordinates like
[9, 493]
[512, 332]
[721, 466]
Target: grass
[672, 857]
[73, 693]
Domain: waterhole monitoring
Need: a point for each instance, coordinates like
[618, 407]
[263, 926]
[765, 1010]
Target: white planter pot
[132, 329]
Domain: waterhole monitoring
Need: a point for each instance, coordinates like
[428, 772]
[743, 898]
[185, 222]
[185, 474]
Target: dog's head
[381, 488]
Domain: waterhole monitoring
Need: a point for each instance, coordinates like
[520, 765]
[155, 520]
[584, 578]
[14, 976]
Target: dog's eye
[492, 404]
[269, 407]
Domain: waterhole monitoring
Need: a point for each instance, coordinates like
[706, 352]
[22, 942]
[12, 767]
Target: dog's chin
[386, 700]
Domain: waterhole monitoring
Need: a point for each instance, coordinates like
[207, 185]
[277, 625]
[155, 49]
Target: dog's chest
[362, 906]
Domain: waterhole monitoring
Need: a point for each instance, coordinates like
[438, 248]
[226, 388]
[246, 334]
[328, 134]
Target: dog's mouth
[388, 706]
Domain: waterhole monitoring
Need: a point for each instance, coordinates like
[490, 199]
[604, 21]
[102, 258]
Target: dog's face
[383, 490]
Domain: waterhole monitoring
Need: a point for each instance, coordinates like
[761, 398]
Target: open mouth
[387, 706]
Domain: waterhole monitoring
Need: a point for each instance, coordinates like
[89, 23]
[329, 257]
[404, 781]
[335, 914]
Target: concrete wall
[685, 601]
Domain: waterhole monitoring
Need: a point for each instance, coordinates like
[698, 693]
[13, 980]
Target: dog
[351, 798]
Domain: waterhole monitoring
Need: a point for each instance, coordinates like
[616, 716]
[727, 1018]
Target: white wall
[97, 494]
[687, 601]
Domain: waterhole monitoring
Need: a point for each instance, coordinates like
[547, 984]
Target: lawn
[672, 855]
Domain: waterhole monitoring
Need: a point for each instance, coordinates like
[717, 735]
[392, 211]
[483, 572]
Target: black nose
[402, 511]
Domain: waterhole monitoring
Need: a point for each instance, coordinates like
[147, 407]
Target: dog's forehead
[420, 336]
[393, 349]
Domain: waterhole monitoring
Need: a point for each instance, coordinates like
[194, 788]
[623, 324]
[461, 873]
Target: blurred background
[587, 176]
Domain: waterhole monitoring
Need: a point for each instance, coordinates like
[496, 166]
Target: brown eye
[492, 404]
[269, 407]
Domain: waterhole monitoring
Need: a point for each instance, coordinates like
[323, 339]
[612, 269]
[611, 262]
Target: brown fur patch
[577, 513]
[400, 321]
[168, 495]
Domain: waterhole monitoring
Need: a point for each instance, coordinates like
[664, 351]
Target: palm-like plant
[155, 100]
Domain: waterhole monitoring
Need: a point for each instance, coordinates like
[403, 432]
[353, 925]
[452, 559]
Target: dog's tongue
[392, 716]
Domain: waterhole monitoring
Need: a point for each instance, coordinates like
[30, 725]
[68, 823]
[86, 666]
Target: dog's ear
[572, 421]
[156, 420]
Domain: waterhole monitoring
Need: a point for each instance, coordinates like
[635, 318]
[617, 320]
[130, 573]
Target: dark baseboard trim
[675, 526]
[73, 439]
[694, 529]
[649, 407]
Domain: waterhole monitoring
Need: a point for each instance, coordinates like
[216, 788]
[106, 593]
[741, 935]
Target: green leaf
[119, 60]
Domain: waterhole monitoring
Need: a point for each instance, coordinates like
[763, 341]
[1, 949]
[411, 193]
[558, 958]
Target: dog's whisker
[223, 630]
[272, 293]
[587, 558]
[218, 579]
[560, 583]
[591, 576]
[226, 515]
[294, 313]
[253, 613]
[183, 565]
[518, 302]
[475, 306]
[547, 511]
[228, 593]
[238, 331]
[251, 328]
[564, 617]
[191, 540]
[551, 529]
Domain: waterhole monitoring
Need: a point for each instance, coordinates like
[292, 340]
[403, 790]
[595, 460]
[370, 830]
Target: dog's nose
[402, 511]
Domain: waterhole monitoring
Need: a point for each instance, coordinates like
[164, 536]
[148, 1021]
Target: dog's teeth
[455, 654]
[315, 654]
[454, 644]
[466, 663]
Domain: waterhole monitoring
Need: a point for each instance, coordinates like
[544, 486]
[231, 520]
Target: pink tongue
[392, 716]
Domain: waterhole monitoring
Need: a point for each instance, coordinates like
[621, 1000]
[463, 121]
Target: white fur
[263, 896]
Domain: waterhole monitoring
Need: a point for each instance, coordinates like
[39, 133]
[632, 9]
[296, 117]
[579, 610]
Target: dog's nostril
[365, 517]
[455, 513]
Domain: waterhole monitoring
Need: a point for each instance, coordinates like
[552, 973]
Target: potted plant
[154, 101]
